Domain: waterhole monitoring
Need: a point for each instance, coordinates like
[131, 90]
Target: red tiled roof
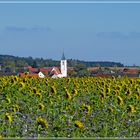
[34, 71]
[29, 67]
[29, 75]
[55, 70]
[44, 70]
[131, 71]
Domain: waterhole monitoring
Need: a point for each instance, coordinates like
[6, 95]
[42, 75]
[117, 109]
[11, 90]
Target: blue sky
[86, 31]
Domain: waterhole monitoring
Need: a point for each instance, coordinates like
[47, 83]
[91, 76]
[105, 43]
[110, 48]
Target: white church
[63, 68]
[54, 72]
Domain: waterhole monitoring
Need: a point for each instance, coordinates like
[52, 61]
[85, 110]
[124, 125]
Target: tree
[81, 70]
[34, 65]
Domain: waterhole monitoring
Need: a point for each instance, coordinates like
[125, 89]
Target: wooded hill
[15, 61]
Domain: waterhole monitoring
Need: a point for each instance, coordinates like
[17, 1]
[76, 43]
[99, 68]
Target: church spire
[63, 56]
[63, 64]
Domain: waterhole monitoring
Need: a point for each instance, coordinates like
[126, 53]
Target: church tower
[63, 65]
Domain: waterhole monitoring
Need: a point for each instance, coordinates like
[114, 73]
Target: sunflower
[103, 83]
[79, 124]
[129, 93]
[110, 109]
[131, 81]
[50, 100]
[108, 90]
[16, 78]
[39, 95]
[68, 95]
[117, 92]
[41, 106]
[42, 122]
[53, 90]
[34, 90]
[13, 81]
[120, 100]
[8, 100]
[1, 88]
[15, 108]
[86, 108]
[131, 109]
[8, 117]
[21, 85]
[136, 97]
[74, 92]
[102, 93]
[26, 73]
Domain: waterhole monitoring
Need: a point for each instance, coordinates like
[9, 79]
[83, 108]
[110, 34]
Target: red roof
[34, 71]
[131, 71]
[44, 70]
[29, 75]
[55, 70]
[29, 67]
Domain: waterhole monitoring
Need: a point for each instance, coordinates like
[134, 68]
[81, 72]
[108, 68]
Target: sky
[85, 31]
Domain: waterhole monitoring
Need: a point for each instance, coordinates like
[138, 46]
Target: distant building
[63, 67]
[41, 75]
[53, 72]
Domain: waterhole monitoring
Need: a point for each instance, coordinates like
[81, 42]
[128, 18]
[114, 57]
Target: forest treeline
[7, 61]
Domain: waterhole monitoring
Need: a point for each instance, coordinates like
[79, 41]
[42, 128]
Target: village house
[128, 71]
[53, 72]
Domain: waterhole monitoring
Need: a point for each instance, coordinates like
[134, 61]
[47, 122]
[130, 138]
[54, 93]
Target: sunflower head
[129, 93]
[87, 108]
[53, 90]
[15, 108]
[131, 81]
[120, 100]
[136, 97]
[16, 78]
[102, 93]
[41, 106]
[1, 88]
[8, 117]
[74, 92]
[42, 121]
[110, 109]
[68, 96]
[39, 95]
[79, 124]
[21, 85]
[34, 90]
[26, 73]
[108, 90]
[131, 109]
[8, 100]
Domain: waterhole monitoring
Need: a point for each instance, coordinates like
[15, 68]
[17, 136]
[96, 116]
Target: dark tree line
[11, 63]
[97, 63]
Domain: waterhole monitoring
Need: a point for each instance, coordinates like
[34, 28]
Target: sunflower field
[69, 107]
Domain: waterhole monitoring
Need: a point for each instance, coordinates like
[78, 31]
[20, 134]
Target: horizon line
[69, 2]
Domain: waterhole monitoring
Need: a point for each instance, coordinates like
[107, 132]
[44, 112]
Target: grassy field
[69, 107]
